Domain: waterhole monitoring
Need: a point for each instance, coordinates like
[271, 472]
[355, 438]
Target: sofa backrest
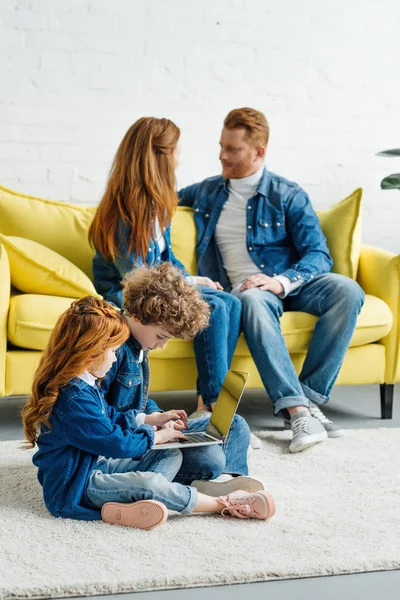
[64, 227]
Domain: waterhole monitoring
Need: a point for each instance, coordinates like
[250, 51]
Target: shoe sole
[335, 434]
[255, 443]
[308, 442]
[223, 488]
[271, 506]
[145, 514]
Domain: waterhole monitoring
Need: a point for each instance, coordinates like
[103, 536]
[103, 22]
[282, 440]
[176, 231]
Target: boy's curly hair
[162, 296]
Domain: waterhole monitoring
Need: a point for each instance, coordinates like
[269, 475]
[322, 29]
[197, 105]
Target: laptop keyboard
[194, 438]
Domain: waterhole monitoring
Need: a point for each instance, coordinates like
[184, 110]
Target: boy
[160, 304]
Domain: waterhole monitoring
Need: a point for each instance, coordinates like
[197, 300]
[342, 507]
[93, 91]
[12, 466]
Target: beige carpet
[338, 512]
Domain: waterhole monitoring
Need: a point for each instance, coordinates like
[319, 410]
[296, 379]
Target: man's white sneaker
[307, 431]
[255, 443]
[226, 484]
[330, 427]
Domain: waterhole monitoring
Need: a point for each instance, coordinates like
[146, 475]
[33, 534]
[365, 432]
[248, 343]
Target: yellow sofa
[28, 314]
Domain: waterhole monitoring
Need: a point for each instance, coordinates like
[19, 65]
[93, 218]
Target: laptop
[221, 418]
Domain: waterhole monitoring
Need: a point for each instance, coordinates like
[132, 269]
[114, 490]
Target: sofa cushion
[32, 318]
[36, 269]
[57, 225]
[374, 322]
[341, 225]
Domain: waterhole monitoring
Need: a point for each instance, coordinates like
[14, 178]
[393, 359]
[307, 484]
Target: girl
[132, 227]
[92, 458]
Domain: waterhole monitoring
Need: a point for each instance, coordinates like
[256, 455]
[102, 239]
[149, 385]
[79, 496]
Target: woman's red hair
[140, 189]
[78, 342]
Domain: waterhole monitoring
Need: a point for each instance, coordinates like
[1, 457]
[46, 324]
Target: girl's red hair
[140, 189]
[79, 340]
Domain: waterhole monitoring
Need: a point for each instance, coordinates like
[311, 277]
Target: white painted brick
[61, 174]
[23, 19]
[76, 74]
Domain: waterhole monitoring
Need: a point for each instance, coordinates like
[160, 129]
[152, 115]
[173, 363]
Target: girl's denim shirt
[83, 427]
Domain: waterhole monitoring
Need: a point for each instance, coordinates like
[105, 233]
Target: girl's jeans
[165, 475]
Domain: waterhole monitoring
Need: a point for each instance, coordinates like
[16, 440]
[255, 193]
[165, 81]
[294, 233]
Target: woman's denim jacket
[126, 384]
[83, 427]
[107, 274]
[284, 236]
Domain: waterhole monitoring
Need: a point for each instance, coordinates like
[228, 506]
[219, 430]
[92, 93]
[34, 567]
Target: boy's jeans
[208, 462]
[165, 475]
[215, 345]
[336, 300]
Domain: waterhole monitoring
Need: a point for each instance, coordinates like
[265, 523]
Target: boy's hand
[207, 282]
[168, 435]
[159, 419]
[178, 425]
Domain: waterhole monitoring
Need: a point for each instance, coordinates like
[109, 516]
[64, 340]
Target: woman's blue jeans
[215, 345]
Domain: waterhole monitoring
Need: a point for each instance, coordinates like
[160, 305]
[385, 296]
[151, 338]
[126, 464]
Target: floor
[350, 407]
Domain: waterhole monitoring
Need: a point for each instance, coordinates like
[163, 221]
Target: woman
[132, 227]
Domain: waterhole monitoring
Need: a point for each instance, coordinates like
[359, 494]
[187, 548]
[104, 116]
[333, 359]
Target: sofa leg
[387, 390]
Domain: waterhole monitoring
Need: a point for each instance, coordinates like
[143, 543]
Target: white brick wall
[76, 73]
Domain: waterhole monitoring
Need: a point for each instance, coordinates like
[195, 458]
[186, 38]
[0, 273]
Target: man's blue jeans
[336, 300]
[166, 475]
[215, 345]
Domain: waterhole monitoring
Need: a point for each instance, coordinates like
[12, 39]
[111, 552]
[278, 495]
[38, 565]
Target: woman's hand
[168, 434]
[160, 419]
[207, 282]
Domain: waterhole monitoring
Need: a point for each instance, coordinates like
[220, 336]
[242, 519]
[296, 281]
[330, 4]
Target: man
[259, 236]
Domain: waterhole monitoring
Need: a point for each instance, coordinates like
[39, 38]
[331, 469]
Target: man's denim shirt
[83, 427]
[284, 236]
[108, 274]
[126, 384]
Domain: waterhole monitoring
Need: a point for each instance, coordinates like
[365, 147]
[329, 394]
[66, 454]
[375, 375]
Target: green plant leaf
[395, 152]
[391, 182]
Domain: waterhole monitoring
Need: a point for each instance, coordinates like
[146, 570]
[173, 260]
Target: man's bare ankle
[295, 409]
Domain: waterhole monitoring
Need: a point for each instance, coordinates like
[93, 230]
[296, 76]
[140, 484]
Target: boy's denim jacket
[284, 236]
[126, 385]
[107, 274]
[83, 427]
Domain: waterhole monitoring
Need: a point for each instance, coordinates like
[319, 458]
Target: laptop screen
[226, 404]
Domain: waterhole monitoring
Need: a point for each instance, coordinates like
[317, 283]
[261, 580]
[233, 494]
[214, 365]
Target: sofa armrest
[5, 285]
[379, 275]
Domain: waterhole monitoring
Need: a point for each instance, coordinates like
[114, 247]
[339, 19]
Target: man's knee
[263, 304]
[348, 293]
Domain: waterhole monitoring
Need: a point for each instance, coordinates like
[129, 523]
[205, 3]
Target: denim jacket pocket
[271, 230]
[128, 382]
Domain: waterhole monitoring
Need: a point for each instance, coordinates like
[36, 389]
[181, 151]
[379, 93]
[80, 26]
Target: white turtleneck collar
[246, 186]
[88, 378]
